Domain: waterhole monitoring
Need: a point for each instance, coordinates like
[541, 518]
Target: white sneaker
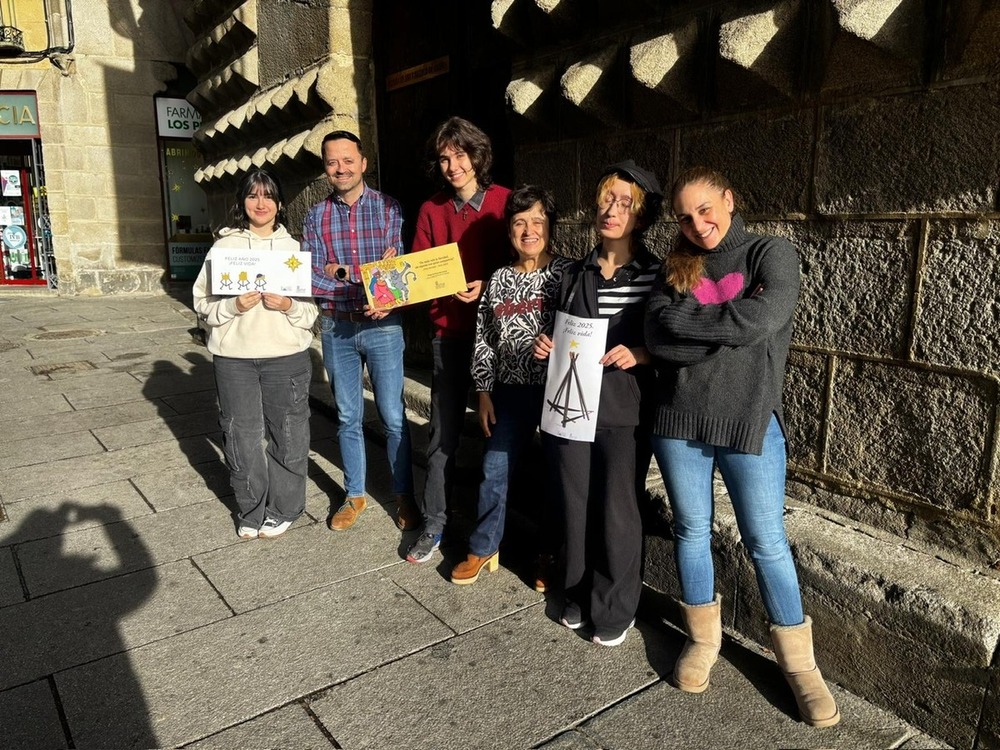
[273, 527]
[247, 532]
[616, 640]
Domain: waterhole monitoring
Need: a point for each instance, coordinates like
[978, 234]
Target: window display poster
[186, 259]
[185, 211]
[10, 183]
[16, 215]
[573, 384]
[7, 216]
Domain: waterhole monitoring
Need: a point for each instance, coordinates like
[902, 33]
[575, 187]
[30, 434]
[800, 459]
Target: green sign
[18, 116]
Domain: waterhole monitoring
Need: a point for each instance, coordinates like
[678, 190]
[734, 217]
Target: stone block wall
[865, 133]
[274, 79]
[98, 130]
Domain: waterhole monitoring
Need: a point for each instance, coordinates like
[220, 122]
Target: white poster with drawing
[6, 217]
[234, 272]
[573, 384]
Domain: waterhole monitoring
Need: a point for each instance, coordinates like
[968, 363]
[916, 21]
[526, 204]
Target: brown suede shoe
[544, 568]
[408, 516]
[468, 571]
[348, 513]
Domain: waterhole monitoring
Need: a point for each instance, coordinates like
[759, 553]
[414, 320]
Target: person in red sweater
[468, 210]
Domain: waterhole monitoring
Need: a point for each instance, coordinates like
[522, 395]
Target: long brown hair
[685, 263]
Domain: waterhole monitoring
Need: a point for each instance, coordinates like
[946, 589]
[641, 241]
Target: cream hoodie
[258, 333]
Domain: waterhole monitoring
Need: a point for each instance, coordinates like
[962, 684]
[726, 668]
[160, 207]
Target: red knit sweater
[482, 242]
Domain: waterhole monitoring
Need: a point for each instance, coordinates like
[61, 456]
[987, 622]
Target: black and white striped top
[630, 285]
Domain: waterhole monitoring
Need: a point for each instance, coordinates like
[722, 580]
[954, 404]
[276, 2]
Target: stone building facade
[93, 67]
[862, 130]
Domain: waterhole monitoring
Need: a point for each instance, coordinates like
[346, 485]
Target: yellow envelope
[417, 277]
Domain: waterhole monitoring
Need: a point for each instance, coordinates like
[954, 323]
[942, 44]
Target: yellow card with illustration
[417, 277]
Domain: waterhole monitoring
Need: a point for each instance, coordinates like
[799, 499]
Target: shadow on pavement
[78, 627]
[179, 406]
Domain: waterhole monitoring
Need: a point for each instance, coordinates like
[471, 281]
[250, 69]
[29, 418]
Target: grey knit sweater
[720, 350]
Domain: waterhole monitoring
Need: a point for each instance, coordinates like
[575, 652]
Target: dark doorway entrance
[434, 60]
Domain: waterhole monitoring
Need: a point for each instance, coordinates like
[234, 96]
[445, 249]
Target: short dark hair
[257, 179]
[342, 135]
[526, 196]
[461, 135]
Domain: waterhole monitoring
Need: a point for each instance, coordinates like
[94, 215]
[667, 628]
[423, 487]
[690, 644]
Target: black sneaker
[423, 549]
[572, 617]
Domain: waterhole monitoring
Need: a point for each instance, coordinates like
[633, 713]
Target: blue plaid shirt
[334, 232]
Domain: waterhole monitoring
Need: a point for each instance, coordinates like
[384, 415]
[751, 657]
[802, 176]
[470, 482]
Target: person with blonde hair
[597, 480]
[718, 325]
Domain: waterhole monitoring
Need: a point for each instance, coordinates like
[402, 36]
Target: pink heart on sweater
[709, 292]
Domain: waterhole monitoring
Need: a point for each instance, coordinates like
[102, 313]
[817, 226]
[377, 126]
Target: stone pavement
[132, 616]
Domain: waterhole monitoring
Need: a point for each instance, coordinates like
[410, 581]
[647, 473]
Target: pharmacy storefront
[184, 202]
[25, 235]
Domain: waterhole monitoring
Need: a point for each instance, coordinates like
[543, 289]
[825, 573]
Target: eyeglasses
[624, 204]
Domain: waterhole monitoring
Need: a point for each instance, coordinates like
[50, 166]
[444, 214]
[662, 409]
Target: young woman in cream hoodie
[259, 342]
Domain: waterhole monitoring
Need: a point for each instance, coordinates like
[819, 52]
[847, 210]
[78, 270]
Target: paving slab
[184, 485]
[517, 681]
[29, 719]
[464, 608]
[746, 707]
[189, 403]
[571, 740]
[289, 727]
[126, 546]
[32, 451]
[200, 682]
[159, 429]
[157, 386]
[15, 363]
[62, 382]
[90, 622]
[10, 583]
[35, 406]
[169, 380]
[50, 515]
[264, 571]
[106, 467]
[87, 419]
[152, 359]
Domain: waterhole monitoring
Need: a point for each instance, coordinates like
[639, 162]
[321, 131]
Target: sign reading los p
[175, 118]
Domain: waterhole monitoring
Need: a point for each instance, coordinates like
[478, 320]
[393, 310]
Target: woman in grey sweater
[718, 326]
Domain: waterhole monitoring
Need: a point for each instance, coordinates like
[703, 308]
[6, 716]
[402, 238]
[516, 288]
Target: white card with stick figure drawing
[235, 272]
[573, 384]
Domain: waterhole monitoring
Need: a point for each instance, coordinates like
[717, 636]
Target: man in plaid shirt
[352, 226]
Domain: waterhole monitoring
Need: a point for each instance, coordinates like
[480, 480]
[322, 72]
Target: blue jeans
[756, 485]
[347, 348]
[264, 416]
[449, 400]
[518, 409]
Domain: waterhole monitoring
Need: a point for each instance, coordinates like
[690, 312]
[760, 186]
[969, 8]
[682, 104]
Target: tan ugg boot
[793, 648]
[703, 623]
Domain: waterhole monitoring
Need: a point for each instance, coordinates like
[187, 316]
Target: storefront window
[185, 203]
[25, 237]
